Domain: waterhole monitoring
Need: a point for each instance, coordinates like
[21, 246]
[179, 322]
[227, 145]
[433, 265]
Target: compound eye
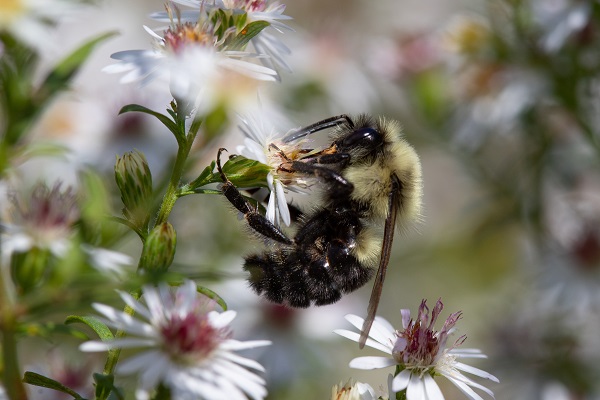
[363, 137]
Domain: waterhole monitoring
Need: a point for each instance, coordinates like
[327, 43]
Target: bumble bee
[371, 177]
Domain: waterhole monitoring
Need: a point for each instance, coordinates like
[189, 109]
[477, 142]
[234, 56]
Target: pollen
[176, 38]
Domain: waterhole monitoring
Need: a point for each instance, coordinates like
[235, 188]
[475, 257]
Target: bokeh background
[501, 101]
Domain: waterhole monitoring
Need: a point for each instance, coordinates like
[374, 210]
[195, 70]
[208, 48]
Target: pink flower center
[416, 346]
[192, 336]
[419, 345]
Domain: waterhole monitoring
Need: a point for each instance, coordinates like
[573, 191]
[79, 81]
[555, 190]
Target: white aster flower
[31, 20]
[187, 346]
[353, 391]
[265, 43]
[43, 220]
[420, 353]
[264, 144]
[189, 59]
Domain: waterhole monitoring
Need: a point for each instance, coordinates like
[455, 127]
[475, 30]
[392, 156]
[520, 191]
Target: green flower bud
[29, 268]
[135, 183]
[159, 248]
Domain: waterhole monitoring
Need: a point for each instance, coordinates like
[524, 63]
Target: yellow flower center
[10, 10]
[184, 34]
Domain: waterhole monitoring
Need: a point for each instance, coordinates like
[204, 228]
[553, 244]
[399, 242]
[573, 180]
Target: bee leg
[340, 185]
[256, 221]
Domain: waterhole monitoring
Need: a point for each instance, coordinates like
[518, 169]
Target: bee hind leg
[257, 221]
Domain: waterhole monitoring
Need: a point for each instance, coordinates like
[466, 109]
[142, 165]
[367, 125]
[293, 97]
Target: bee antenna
[318, 126]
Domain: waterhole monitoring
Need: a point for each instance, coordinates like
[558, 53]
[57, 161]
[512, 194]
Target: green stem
[12, 378]
[113, 355]
[165, 209]
[171, 194]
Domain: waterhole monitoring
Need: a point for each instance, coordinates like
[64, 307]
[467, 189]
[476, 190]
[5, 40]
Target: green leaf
[166, 121]
[241, 21]
[43, 381]
[58, 78]
[100, 328]
[105, 387]
[246, 34]
[209, 293]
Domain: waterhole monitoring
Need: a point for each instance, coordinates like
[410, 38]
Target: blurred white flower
[264, 43]
[189, 58]
[31, 20]
[187, 346]
[558, 20]
[44, 220]
[329, 76]
[107, 261]
[570, 266]
[353, 391]
[264, 143]
[420, 353]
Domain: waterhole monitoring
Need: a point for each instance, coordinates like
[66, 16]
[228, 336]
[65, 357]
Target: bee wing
[388, 237]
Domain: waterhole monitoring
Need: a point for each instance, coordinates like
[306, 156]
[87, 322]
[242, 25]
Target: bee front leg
[340, 185]
[257, 221]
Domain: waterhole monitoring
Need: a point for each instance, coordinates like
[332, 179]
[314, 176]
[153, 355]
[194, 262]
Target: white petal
[405, 317]
[246, 362]
[141, 362]
[385, 325]
[282, 204]
[370, 342]
[153, 34]
[154, 368]
[221, 320]
[466, 389]
[467, 353]
[234, 345]
[415, 389]
[372, 362]
[457, 376]
[135, 305]
[94, 345]
[155, 305]
[186, 297]
[475, 371]
[251, 70]
[124, 321]
[378, 331]
[400, 381]
[270, 214]
[248, 381]
[432, 389]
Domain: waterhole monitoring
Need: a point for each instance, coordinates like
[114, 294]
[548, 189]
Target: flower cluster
[187, 346]
[202, 54]
[64, 247]
[420, 353]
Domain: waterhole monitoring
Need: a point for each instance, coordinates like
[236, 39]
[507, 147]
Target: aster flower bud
[29, 267]
[135, 183]
[159, 249]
